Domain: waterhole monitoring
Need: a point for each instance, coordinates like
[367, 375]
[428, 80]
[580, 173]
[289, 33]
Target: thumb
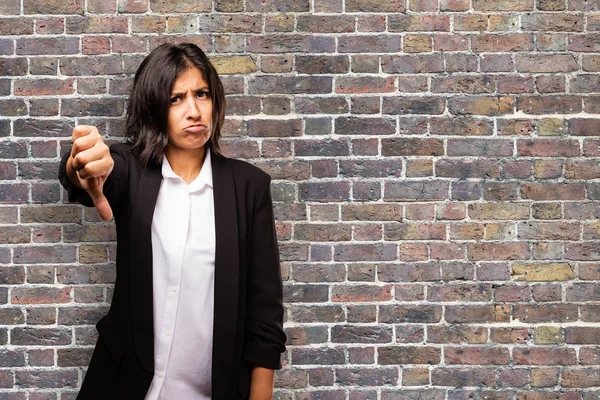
[100, 202]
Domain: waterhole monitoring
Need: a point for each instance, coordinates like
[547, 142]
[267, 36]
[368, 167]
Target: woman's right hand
[89, 165]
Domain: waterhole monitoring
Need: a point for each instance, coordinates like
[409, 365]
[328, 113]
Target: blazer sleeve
[114, 187]
[265, 339]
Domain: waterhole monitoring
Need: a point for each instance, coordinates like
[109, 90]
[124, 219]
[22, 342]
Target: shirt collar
[203, 178]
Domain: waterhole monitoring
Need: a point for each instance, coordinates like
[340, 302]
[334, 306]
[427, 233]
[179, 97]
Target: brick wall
[436, 184]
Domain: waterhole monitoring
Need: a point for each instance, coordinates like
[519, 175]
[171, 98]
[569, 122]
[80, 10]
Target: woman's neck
[186, 163]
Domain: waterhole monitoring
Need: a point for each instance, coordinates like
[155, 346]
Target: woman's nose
[193, 109]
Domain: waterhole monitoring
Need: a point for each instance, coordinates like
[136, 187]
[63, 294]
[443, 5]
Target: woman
[197, 306]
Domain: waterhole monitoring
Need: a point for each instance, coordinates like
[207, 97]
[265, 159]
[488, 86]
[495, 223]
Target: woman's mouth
[195, 128]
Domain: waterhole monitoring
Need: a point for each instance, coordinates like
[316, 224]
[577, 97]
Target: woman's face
[190, 111]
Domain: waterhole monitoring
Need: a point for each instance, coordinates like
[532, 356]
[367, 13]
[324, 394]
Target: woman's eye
[175, 99]
[201, 94]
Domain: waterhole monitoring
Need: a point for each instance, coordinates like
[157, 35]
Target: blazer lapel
[226, 275]
[140, 264]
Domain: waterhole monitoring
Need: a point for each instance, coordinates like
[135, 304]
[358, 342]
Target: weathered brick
[365, 252]
[479, 147]
[543, 272]
[584, 43]
[491, 106]
[366, 377]
[46, 379]
[40, 336]
[416, 191]
[461, 62]
[463, 84]
[413, 64]
[467, 169]
[584, 127]
[53, 7]
[369, 44]
[318, 314]
[546, 211]
[393, 6]
[408, 355]
[533, 230]
[273, 43]
[305, 293]
[360, 334]
[536, 356]
[498, 251]
[290, 85]
[555, 22]
[476, 355]
[546, 313]
[47, 46]
[502, 42]
[41, 295]
[413, 105]
[318, 356]
[421, 272]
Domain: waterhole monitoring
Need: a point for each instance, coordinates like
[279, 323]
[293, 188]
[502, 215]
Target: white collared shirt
[183, 257]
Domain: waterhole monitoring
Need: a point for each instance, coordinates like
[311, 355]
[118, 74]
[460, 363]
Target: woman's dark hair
[149, 102]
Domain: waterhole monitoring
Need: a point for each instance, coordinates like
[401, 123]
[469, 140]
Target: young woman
[197, 307]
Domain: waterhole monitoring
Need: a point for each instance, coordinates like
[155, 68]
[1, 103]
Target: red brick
[325, 23]
[502, 42]
[585, 43]
[545, 313]
[510, 335]
[463, 84]
[516, 84]
[351, 85]
[491, 106]
[53, 7]
[556, 22]
[580, 378]
[448, 376]
[43, 87]
[369, 44]
[97, 24]
[413, 64]
[365, 252]
[362, 293]
[476, 355]
[479, 148]
[503, 5]
[460, 292]
[545, 356]
[421, 272]
[408, 355]
[476, 314]
[41, 295]
[445, 43]
[371, 23]
[548, 148]
[498, 251]
[392, 6]
[418, 22]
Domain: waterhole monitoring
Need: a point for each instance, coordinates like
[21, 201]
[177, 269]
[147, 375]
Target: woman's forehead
[190, 78]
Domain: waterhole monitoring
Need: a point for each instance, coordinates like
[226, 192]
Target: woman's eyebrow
[200, 89]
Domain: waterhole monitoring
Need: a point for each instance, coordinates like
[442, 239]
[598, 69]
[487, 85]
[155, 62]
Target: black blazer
[248, 308]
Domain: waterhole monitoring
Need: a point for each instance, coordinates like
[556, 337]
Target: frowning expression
[190, 111]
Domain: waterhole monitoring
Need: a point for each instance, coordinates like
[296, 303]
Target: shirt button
[168, 333]
[173, 289]
[160, 375]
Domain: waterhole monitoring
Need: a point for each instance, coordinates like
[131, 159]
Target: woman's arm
[261, 387]
[89, 165]
[115, 159]
[265, 339]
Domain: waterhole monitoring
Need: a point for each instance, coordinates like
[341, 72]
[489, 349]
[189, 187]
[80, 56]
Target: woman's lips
[195, 128]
